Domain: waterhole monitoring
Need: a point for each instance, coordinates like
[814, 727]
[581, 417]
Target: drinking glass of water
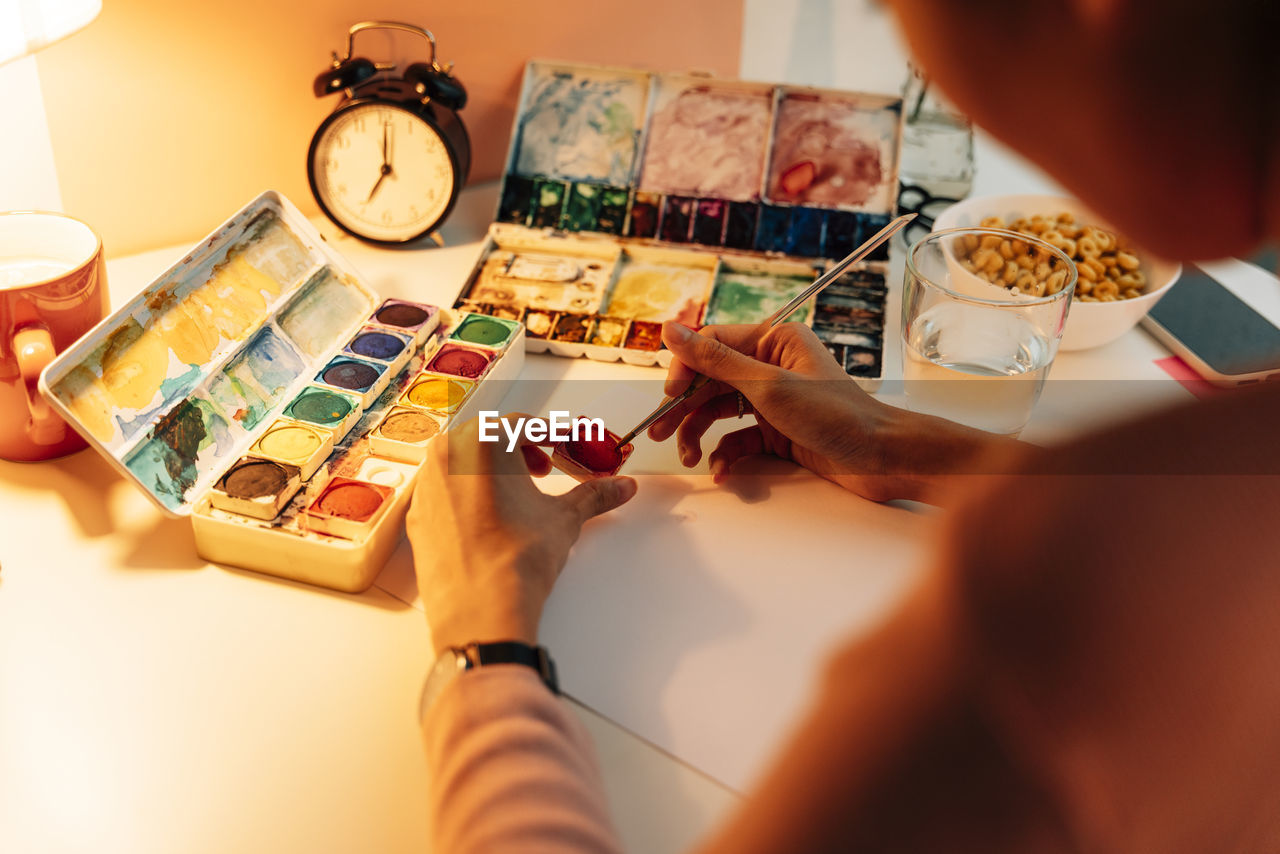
[982, 312]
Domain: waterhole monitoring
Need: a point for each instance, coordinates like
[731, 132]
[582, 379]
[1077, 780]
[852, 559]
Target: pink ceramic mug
[53, 289]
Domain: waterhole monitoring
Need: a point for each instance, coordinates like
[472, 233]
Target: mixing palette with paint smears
[632, 198]
[261, 389]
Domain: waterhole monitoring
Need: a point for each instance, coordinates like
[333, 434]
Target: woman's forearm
[511, 770]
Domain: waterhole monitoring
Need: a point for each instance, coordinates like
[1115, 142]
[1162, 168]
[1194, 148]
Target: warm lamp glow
[28, 25]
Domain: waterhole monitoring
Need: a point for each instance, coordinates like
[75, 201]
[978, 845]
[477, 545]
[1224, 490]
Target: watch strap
[514, 652]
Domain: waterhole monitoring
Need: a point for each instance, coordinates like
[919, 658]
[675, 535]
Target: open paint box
[631, 198]
[260, 388]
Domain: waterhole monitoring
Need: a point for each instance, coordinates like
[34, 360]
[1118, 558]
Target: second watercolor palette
[631, 198]
[260, 388]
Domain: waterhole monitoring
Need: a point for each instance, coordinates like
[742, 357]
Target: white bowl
[1089, 324]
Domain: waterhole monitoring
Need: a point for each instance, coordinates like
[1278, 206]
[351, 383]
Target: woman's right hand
[807, 410]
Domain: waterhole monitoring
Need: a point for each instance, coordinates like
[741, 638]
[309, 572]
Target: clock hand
[386, 141]
[386, 170]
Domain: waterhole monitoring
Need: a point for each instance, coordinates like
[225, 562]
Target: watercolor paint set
[261, 389]
[632, 197]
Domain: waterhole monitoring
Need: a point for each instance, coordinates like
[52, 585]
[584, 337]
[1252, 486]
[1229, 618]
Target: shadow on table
[374, 597]
[82, 480]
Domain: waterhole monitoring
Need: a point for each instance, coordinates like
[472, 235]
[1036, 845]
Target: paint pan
[348, 508]
[436, 392]
[328, 408]
[677, 219]
[740, 225]
[539, 324]
[841, 235]
[589, 458]
[772, 229]
[582, 207]
[804, 237]
[294, 443]
[410, 318]
[360, 377]
[548, 203]
[459, 361]
[644, 335]
[256, 487]
[404, 433]
[376, 344]
[643, 219]
[517, 200]
[612, 214]
[485, 331]
[608, 332]
[709, 222]
[572, 328]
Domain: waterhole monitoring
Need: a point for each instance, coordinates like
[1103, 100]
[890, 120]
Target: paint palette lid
[691, 159]
[174, 386]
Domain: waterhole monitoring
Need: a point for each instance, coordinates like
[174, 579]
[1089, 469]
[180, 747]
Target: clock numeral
[358, 124]
[343, 142]
[386, 217]
[342, 189]
[413, 211]
[331, 164]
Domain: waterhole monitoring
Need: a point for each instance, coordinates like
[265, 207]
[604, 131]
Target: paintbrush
[777, 317]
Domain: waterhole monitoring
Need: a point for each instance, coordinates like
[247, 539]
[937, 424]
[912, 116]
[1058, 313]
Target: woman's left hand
[488, 545]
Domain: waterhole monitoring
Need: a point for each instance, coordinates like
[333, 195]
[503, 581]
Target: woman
[1054, 691]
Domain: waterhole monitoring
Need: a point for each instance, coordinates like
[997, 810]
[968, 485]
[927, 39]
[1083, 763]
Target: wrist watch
[456, 660]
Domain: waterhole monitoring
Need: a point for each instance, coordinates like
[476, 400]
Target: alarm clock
[388, 163]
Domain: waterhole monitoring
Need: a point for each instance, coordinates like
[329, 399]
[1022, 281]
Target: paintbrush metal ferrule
[781, 314]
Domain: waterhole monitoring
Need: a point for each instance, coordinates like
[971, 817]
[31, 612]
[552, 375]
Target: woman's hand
[488, 545]
[808, 411]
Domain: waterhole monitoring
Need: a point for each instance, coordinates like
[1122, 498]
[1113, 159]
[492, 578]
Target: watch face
[381, 172]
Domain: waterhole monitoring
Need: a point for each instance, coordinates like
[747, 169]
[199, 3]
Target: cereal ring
[1055, 282]
[1010, 274]
[1102, 290]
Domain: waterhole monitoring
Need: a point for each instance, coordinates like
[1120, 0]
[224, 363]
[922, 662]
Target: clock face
[381, 172]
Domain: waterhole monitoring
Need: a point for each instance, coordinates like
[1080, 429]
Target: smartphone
[1227, 340]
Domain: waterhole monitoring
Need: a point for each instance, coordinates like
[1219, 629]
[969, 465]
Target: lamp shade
[28, 25]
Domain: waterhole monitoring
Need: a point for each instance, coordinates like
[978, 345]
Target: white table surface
[150, 702]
